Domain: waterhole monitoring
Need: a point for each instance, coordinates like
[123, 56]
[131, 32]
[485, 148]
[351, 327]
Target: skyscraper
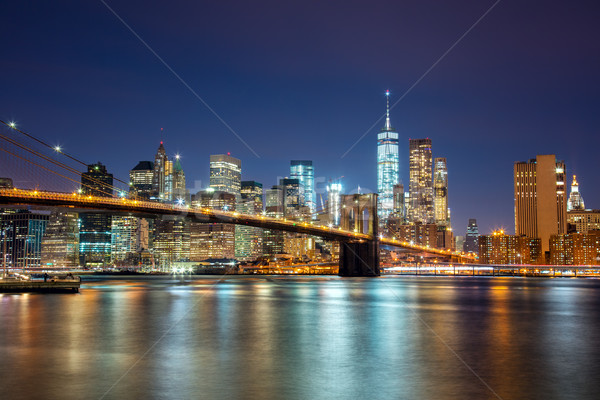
[304, 172]
[226, 174]
[141, 178]
[421, 183]
[540, 204]
[334, 192]
[471, 243]
[440, 185]
[575, 201]
[60, 244]
[248, 239]
[387, 166]
[95, 228]
[179, 191]
[23, 231]
[159, 175]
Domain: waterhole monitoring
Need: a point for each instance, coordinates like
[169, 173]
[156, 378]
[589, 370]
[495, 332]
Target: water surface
[304, 338]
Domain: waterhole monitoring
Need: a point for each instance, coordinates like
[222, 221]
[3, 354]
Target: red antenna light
[228, 153]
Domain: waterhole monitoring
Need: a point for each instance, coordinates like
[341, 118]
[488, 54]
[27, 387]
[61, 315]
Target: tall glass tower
[304, 172]
[387, 165]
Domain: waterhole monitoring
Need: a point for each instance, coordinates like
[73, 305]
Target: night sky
[306, 80]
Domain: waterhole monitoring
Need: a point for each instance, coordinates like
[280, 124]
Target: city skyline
[473, 118]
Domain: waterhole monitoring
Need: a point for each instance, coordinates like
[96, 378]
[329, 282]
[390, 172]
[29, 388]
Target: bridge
[358, 232]
[353, 240]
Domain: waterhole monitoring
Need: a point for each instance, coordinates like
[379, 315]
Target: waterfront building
[171, 240]
[291, 192]
[22, 234]
[249, 239]
[140, 180]
[159, 174]
[226, 174]
[124, 242]
[273, 239]
[575, 249]
[212, 240]
[421, 182]
[301, 247]
[583, 221]
[440, 186]
[445, 237]
[387, 166]
[95, 228]
[60, 243]
[500, 248]
[575, 201]
[471, 243]
[417, 233]
[540, 203]
[304, 172]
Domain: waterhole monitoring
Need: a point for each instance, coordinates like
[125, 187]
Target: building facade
[540, 200]
[22, 235]
[575, 201]
[95, 228]
[140, 180]
[60, 243]
[583, 221]
[440, 187]
[499, 248]
[421, 182]
[226, 174]
[575, 249]
[387, 166]
[471, 242]
[303, 171]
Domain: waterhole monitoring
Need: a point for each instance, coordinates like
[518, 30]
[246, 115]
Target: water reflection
[305, 337]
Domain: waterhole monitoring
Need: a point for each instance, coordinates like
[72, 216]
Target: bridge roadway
[78, 203]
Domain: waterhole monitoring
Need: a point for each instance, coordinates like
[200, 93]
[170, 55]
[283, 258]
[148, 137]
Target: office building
[273, 239]
[180, 193]
[583, 221]
[421, 183]
[214, 240]
[471, 242]
[171, 240]
[440, 186]
[95, 228]
[60, 243]
[304, 172]
[575, 201]
[334, 192]
[124, 242]
[159, 176]
[387, 166]
[22, 234]
[140, 180]
[249, 239]
[540, 201]
[226, 174]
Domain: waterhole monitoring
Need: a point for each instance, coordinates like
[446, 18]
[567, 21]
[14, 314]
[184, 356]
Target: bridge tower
[359, 214]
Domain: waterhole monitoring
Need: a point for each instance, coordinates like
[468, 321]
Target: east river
[239, 337]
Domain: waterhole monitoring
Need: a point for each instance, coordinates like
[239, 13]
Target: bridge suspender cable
[11, 126]
[57, 163]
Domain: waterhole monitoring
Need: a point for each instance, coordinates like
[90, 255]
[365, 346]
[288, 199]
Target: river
[240, 337]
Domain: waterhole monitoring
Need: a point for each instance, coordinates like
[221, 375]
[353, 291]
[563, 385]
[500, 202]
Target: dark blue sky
[305, 80]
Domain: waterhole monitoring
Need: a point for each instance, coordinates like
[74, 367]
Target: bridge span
[76, 202]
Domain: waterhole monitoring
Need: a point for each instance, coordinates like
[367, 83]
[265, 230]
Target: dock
[18, 283]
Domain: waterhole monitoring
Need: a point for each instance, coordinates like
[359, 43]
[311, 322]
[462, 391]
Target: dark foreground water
[304, 338]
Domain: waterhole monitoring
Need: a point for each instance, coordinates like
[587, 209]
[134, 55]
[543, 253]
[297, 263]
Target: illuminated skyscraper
[159, 175]
[226, 174]
[421, 183]
[334, 192]
[387, 166]
[124, 237]
[95, 229]
[440, 185]
[304, 172]
[141, 178]
[575, 200]
[179, 191]
[60, 244]
[248, 239]
[540, 204]
[471, 243]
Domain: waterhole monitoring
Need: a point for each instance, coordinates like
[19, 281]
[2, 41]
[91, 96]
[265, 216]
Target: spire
[177, 166]
[575, 201]
[388, 125]
[575, 185]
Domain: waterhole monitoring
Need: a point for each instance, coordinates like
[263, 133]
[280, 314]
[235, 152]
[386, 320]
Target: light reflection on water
[304, 338]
